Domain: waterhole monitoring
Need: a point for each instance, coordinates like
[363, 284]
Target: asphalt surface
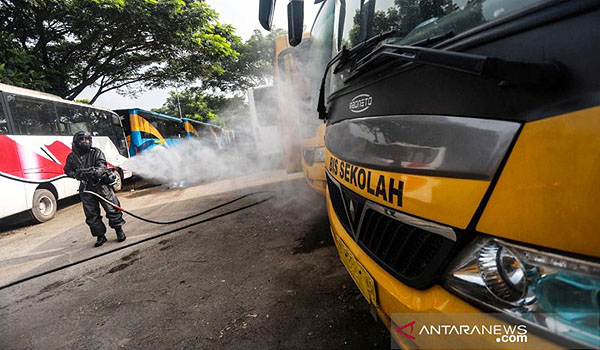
[267, 277]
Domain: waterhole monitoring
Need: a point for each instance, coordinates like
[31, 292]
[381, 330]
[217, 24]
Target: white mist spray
[190, 161]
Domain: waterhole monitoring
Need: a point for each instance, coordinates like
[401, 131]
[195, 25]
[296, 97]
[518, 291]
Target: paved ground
[267, 277]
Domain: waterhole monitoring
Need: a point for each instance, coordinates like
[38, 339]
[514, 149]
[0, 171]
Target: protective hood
[82, 142]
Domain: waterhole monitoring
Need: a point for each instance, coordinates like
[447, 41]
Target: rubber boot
[100, 241]
[120, 234]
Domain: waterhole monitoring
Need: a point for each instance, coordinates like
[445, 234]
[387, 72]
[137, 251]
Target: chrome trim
[444, 231]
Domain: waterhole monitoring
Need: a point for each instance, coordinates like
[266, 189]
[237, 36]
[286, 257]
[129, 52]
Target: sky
[242, 14]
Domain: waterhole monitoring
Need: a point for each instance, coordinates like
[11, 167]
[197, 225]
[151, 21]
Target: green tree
[196, 104]
[253, 66]
[18, 67]
[221, 99]
[65, 46]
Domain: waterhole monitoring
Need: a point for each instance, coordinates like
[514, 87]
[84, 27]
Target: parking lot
[263, 277]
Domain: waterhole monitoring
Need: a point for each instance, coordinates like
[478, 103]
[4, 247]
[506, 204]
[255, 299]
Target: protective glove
[78, 175]
[98, 171]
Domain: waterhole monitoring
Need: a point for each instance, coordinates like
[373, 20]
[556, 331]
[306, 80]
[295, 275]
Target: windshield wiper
[509, 73]
[430, 41]
[362, 47]
[345, 56]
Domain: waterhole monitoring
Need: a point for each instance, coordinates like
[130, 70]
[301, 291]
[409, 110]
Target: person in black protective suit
[84, 156]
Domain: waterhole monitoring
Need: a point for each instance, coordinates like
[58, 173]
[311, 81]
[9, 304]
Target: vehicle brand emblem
[360, 103]
[351, 210]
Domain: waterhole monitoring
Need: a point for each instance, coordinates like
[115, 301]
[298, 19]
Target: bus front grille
[338, 204]
[407, 250]
[412, 254]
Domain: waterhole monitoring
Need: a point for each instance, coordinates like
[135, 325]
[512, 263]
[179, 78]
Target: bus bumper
[393, 297]
[315, 176]
[127, 174]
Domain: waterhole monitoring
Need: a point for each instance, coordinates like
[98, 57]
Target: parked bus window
[3, 120]
[146, 129]
[166, 127]
[100, 122]
[33, 117]
[73, 116]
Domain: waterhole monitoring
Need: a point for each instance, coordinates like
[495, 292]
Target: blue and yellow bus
[145, 129]
[210, 135]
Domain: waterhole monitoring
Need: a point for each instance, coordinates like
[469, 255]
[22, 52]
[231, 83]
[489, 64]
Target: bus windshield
[416, 20]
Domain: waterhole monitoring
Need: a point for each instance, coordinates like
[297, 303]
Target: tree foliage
[64, 46]
[18, 67]
[252, 67]
[211, 108]
[221, 99]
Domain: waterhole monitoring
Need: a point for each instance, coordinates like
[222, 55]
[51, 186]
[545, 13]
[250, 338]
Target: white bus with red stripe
[35, 138]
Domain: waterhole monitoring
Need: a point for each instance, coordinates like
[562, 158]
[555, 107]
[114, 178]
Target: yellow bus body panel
[190, 128]
[138, 123]
[315, 173]
[548, 193]
[445, 200]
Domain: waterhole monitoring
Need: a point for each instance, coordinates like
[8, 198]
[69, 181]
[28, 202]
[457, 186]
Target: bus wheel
[119, 182]
[44, 205]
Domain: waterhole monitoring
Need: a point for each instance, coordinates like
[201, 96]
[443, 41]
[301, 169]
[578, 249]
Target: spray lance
[178, 220]
[109, 178]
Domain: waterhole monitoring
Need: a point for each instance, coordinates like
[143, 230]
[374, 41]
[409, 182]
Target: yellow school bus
[297, 72]
[461, 150]
[313, 160]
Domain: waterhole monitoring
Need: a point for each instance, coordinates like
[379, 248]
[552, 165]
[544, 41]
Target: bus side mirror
[295, 10]
[265, 13]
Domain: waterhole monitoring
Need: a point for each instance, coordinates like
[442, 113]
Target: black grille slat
[403, 243]
[368, 228]
[382, 236]
[421, 261]
[413, 251]
[395, 236]
[375, 229]
[338, 203]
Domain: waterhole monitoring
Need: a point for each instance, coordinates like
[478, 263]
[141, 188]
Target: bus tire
[119, 182]
[44, 205]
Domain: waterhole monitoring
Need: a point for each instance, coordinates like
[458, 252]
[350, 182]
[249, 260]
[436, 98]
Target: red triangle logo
[411, 325]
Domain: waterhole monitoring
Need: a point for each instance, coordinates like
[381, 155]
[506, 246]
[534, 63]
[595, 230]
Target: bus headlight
[320, 155]
[557, 293]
